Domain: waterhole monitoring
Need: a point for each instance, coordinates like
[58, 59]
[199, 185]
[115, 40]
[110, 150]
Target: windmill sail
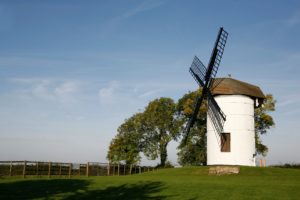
[194, 117]
[198, 71]
[215, 113]
[217, 52]
[204, 77]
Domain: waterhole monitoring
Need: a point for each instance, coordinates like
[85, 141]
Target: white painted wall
[239, 111]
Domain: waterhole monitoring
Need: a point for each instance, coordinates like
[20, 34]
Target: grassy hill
[181, 183]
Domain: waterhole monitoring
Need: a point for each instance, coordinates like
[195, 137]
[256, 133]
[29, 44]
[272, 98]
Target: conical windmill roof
[230, 86]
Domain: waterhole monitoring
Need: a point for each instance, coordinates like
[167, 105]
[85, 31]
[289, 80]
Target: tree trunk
[163, 154]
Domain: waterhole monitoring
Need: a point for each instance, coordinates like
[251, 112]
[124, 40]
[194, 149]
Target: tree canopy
[163, 120]
[160, 126]
[193, 151]
[148, 132]
[126, 144]
[263, 122]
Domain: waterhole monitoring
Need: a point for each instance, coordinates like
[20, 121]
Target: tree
[263, 122]
[126, 144]
[159, 127]
[192, 150]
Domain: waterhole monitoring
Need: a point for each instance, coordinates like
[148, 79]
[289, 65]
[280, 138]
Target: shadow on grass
[31, 189]
[78, 189]
[141, 190]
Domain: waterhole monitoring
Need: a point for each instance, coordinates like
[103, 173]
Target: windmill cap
[230, 86]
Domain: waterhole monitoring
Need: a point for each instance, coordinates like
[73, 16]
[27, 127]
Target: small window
[225, 142]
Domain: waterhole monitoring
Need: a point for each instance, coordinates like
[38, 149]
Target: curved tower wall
[239, 111]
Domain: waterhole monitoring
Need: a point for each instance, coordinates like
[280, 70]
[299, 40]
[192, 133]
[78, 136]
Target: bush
[288, 165]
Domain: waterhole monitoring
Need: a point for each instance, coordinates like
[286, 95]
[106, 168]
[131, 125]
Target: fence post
[113, 169]
[10, 168]
[140, 169]
[79, 169]
[260, 162]
[87, 169]
[148, 169]
[108, 169]
[70, 170]
[24, 169]
[264, 161]
[59, 169]
[49, 169]
[118, 169]
[130, 170]
[124, 169]
[37, 168]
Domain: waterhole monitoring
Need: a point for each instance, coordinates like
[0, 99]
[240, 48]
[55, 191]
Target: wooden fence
[59, 169]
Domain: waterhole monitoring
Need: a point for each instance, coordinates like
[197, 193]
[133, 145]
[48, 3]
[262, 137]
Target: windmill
[230, 113]
[204, 77]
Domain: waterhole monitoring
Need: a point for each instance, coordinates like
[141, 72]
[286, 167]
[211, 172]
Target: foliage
[151, 131]
[148, 132]
[192, 149]
[263, 122]
[168, 164]
[126, 145]
[288, 165]
[159, 127]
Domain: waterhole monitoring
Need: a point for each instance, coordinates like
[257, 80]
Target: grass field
[181, 183]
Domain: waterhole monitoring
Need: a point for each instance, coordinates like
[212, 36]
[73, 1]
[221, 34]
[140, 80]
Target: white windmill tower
[236, 143]
[230, 115]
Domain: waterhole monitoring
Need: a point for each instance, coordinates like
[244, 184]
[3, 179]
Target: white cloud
[108, 95]
[63, 91]
[112, 24]
[289, 100]
[66, 88]
[129, 94]
[41, 90]
[150, 94]
[144, 6]
[26, 80]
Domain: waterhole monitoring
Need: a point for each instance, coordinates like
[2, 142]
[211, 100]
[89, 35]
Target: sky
[72, 71]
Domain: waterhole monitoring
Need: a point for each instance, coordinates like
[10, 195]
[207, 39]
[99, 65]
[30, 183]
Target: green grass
[183, 183]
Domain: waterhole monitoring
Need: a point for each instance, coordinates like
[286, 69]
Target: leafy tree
[159, 127]
[192, 150]
[126, 145]
[263, 122]
[163, 120]
[114, 154]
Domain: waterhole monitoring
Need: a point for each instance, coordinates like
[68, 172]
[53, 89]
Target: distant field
[181, 183]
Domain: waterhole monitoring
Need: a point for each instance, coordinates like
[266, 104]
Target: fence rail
[54, 169]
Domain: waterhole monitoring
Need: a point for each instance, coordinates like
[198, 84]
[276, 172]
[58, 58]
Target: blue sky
[72, 71]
